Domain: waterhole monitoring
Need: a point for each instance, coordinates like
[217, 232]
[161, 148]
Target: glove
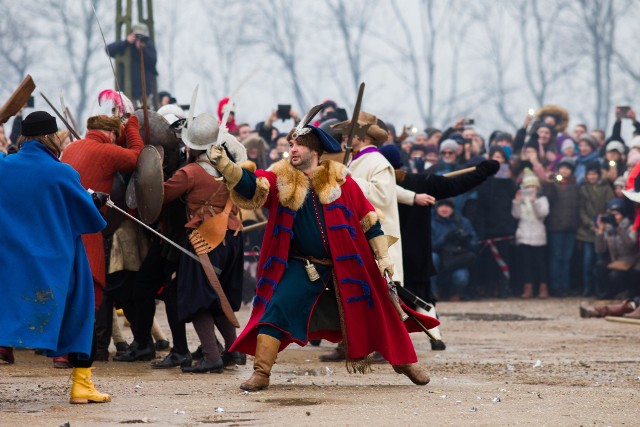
[231, 172]
[488, 168]
[99, 199]
[380, 247]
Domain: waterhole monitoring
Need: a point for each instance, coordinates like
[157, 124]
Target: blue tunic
[46, 286]
[290, 308]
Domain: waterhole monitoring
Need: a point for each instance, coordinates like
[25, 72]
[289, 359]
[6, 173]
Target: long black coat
[415, 222]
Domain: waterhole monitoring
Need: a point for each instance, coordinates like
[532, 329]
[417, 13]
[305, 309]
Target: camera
[608, 219]
[142, 38]
[284, 112]
[624, 110]
[468, 122]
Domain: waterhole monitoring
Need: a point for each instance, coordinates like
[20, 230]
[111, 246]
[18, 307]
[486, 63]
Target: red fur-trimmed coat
[370, 321]
[97, 160]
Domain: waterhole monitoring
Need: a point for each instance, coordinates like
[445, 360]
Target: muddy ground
[507, 362]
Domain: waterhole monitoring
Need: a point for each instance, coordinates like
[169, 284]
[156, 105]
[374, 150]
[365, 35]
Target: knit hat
[502, 136]
[616, 204]
[498, 149]
[449, 144]
[448, 202]
[111, 124]
[589, 139]
[140, 29]
[635, 142]
[568, 162]
[568, 143]
[593, 165]
[616, 146]
[620, 181]
[392, 154]
[530, 179]
[39, 123]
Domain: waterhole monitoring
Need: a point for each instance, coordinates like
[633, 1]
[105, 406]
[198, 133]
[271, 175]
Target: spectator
[165, 98]
[269, 132]
[138, 40]
[244, 130]
[593, 198]
[562, 224]
[616, 240]
[579, 130]
[615, 164]
[530, 207]
[281, 149]
[433, 136]
[496, 227]
[256, 150]
[454, 246]
[617, 125]
[587, 152]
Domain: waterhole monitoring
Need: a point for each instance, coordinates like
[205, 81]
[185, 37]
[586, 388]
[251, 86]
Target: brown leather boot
[620, 309]
[413, 372]
[337, 355]
[527, 291]
[543, 291]
[266, 353]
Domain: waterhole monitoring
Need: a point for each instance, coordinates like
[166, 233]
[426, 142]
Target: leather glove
[231, 172]
[99, 199]
[380, 247]
[488, 168]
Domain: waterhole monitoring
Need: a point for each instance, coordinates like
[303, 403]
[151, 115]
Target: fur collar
[293, 185]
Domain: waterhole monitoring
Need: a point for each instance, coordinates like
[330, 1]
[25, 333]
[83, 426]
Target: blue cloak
[46, 285]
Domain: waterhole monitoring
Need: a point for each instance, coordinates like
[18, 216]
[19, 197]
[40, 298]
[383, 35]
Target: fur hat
[39, 123]
[111, 124]
[560, 114]
[530, 178]
[373, 127]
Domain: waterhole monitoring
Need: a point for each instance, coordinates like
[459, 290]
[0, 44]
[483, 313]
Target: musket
[393, 295]
[177, 246]
[71, 130]
[459, 172]
[354, 124]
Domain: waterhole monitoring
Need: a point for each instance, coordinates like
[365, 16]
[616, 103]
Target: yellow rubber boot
[82, 389]
[266, 353]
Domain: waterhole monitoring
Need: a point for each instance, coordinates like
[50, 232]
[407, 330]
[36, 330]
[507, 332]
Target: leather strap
[215, 284]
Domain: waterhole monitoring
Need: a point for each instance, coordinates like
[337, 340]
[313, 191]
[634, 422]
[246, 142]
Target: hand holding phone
[283, 112]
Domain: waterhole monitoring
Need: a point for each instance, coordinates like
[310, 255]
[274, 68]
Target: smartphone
[284, 112]
[624, 110]
[469, 122]
[31, 102]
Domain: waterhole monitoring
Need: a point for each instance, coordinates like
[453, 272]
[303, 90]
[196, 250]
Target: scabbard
[215, 284]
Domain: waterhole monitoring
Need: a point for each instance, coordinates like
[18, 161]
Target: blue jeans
[588, 267]
[560, 246]
[455, 281]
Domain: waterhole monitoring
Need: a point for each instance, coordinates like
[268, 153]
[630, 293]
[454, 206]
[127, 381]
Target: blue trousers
[560, 245]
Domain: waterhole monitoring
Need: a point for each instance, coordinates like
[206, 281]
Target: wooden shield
[149, 184]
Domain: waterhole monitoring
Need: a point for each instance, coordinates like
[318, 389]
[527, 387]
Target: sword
[393, 295]
[177, 246]
[73, 132]
[354, 124]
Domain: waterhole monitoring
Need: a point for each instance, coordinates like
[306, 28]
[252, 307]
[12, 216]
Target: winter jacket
[531, 230]
[494, 217]
[442, 229]
[619, 242]
[581, 165]
[592, 201]
[563, 205]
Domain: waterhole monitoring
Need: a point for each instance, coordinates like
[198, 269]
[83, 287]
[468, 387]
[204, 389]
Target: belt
[320, 261]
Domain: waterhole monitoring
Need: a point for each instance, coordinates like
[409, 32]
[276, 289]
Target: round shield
[161, 135]
[149, 184]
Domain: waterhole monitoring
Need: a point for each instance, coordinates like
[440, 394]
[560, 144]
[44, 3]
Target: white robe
[376, 177]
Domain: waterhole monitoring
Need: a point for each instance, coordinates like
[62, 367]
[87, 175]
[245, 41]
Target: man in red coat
[321, 263]
[97, 158]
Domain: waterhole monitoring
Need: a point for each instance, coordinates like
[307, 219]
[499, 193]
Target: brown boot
[413, 372]
[266, 353]
[543, 291]
[635, 314]
[621, 309]
[82, 389]
[527, 291]
[337, 355]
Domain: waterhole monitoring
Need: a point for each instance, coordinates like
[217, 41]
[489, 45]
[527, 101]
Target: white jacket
[531, 230]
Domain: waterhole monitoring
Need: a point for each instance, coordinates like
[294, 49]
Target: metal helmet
[201, 132]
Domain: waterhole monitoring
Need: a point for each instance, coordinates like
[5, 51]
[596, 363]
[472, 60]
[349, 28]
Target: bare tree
[17, 35]
[352, 20]
[546, 59]
[78, 37]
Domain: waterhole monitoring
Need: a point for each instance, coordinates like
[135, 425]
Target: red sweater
[97, 160]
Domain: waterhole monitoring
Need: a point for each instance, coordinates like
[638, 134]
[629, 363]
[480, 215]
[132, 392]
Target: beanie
[449, 144]
[616, 146]
[589, 139]
[530, 179]
[568, 162]
[39, 123]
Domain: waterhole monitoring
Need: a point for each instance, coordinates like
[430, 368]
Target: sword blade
[177, 246]
[354, 124]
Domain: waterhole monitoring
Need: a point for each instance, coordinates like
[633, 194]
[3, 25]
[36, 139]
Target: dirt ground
[507, 362]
